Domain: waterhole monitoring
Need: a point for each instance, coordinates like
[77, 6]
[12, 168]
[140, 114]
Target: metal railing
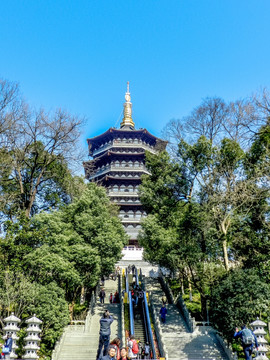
[148, 327]
[136, 277]
[131, 314]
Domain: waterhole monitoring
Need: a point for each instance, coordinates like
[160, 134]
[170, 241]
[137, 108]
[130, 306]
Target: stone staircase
[180, 343]
[79, 343]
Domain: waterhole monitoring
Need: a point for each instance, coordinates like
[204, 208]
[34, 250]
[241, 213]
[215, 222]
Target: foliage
[50, 306]
[240, 297]
[37, 151]
[23, 297]
[209, 206]
[71, 247]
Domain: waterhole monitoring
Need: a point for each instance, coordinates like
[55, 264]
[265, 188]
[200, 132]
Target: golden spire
[127, 119]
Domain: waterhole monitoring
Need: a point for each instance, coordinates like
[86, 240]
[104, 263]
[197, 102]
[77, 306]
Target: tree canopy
[58, 234]
[208, 202]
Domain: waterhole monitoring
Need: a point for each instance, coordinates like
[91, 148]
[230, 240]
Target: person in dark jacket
[163, 313]
[246, 347]
[102, 295]
[104, 333]
[111, 353]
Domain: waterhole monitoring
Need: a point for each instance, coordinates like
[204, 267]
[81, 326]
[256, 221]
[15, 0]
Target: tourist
[123, 353]
[102, 295]
[116, 342]
[111, 298]
[163, 313]
[111, 353]
[164, 300]
[146, 351]
[8, 344]
[140, 345]
[133, 347]
[104, 333]
[116, 298]
[248, 339]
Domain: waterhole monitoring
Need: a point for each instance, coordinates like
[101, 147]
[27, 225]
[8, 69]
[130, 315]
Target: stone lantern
[32, 339]
[11, 329]
[258, 330]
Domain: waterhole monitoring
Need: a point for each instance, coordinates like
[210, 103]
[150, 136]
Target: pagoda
[118, 164]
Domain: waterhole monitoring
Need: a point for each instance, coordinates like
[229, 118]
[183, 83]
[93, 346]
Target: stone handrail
[226, 347]
[90, 312]
[58, 346]
[190, 321]
[158, 330]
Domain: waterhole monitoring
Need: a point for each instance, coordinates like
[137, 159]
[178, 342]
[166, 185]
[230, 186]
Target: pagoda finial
[127, 119]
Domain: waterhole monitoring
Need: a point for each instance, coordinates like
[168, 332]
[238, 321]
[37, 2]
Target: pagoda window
[123, 163]
[122, 188]
[130, 188]
[135, 141]
[117, 163]
[130, 163]
[115, 188]
[136, 163]
[122, 213]
[137, 215]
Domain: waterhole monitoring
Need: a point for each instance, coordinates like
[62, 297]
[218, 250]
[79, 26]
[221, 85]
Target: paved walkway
[179, 342]
[80, 345]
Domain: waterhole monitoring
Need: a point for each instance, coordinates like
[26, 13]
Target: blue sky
[78, 55]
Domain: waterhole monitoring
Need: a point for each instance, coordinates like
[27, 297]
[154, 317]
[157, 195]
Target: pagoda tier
[118, 164]
[124, 139]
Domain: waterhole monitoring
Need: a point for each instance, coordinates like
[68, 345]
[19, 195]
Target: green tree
[72, 246]
[37, 151]
[239, 297]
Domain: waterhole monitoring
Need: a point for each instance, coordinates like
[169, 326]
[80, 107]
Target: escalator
[139, 317]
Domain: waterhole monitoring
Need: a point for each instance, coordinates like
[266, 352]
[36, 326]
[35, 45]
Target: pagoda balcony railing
[123, 203]
[132, 221]
[123, 193]
[121, 169]
[124, 145]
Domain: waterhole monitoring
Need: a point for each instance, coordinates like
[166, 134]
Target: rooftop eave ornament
[127, 119]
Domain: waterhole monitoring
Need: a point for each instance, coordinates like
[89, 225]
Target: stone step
[179, 342]
[80, 345]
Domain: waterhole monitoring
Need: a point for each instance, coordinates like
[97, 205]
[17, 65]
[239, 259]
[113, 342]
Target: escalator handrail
[145, 326]
[148, 323]
[136, 276]
[131, 314]
[127, 286]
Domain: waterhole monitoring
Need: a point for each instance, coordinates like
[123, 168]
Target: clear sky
[79, 54]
